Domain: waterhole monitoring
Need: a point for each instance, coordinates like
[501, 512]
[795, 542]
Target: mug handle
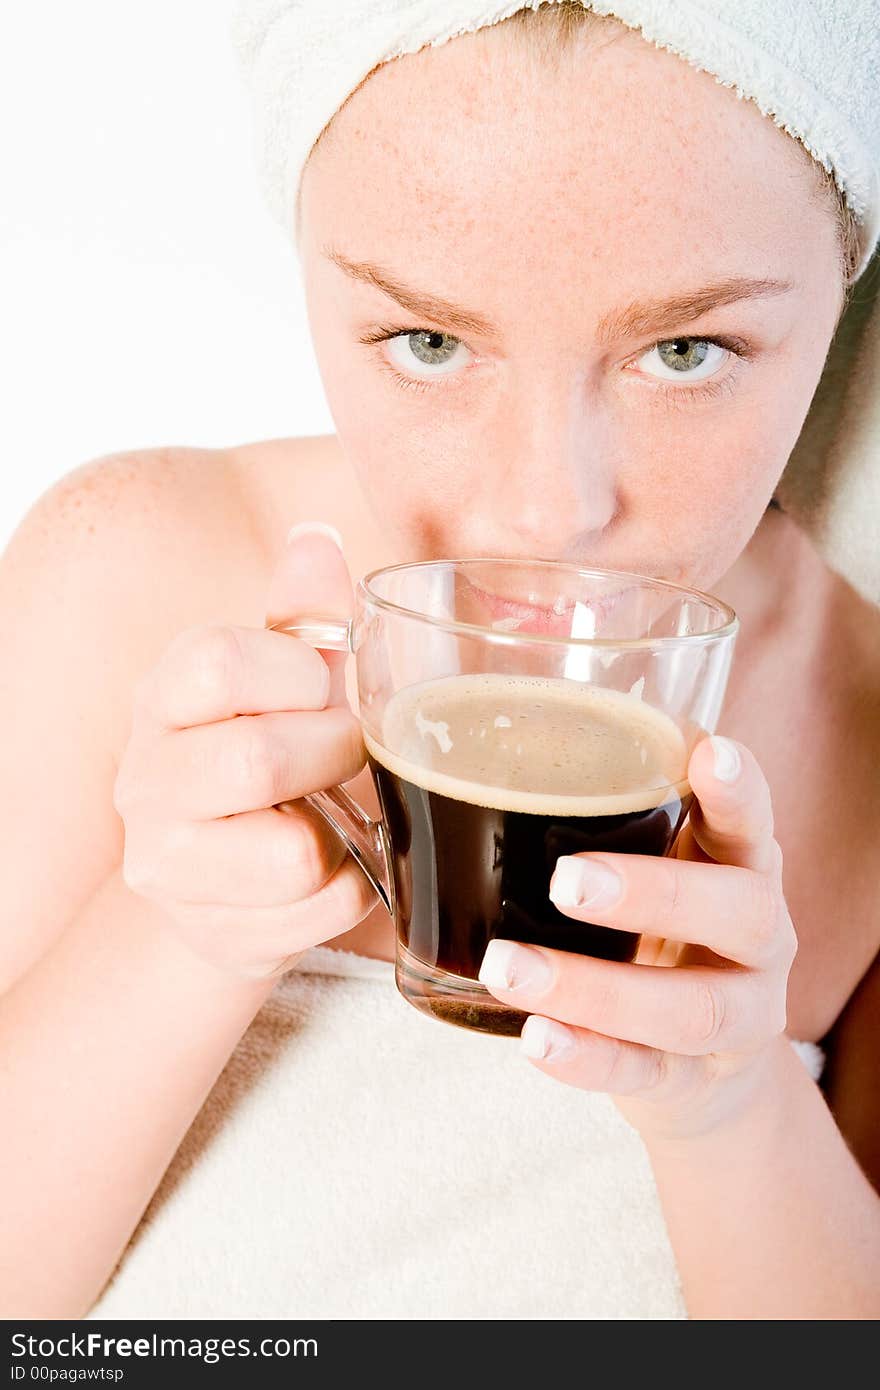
[365, 839]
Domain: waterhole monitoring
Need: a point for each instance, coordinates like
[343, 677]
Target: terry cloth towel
[357, 1160]
[809, 65]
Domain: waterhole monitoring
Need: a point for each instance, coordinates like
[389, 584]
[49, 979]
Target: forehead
[619, 159]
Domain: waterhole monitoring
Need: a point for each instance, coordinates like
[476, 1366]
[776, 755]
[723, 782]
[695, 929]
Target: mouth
[566, 617]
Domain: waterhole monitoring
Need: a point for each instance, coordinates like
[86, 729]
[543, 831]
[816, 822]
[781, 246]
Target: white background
[146, 295]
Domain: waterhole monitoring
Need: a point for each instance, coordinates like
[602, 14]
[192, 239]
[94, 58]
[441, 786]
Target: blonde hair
[555, 24]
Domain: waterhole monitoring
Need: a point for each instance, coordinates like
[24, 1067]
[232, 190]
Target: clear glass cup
[515, 711]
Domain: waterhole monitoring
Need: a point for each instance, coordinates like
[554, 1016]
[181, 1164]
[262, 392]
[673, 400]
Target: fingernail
[509, 966]
[545, 1040]
[728, 763]
[584, 883]
[304, 528]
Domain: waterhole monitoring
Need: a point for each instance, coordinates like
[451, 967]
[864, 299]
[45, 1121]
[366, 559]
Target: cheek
[719, 467]
[698, 480]
[405, 450]
[394, 456]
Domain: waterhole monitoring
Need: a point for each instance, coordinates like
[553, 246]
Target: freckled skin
[544, 194]
[84, 488]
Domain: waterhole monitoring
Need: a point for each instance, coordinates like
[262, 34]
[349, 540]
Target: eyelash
[710, 390]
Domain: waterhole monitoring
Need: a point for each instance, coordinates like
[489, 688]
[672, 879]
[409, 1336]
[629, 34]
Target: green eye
[683, 354]
[433, 349]
[437, 354]
[684, 359]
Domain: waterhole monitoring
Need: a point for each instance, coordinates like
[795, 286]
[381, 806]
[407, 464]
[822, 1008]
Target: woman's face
[645, 286]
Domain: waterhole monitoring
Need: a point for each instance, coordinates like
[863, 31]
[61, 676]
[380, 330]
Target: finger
[311, 579]
[212, 673]
[242, 764]
[692, 1010]
[732, 817]
[267, 858]
[580, 1057]
[344, 900]
[217, 931]
[734, 912]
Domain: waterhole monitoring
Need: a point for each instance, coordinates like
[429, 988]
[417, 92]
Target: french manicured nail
[728, 763]
[509, 966]
[544, 1039]
[304, 528]
[584, 883]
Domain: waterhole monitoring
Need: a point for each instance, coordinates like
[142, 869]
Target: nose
[554, 492]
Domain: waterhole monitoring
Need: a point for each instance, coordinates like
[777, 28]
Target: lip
[719, 623]
[509, 615]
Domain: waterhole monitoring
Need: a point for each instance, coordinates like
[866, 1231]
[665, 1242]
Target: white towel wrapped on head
[809, 65]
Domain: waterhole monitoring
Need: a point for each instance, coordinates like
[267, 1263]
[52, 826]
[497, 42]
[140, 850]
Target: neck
[782, 593]
[779, 586]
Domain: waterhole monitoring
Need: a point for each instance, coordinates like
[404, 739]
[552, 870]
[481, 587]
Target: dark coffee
[567, 768]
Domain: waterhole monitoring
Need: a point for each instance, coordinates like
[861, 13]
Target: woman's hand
[682, 1048]
[228, 723]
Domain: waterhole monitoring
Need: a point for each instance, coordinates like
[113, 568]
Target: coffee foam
[543, 745]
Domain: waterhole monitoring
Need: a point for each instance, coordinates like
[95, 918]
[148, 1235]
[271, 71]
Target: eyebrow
[637, 319]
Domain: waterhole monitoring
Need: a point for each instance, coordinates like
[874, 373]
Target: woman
[587, 339]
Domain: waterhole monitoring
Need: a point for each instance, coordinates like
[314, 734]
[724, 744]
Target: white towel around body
[357, 1160]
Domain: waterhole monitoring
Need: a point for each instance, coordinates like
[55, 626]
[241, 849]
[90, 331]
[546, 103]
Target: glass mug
[512, 712]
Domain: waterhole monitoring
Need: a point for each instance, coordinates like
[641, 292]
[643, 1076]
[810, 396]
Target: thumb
[732, 817]
[311, 580]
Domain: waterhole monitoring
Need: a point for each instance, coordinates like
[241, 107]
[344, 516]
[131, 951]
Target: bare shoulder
[160, 520]
[160, 491]
[191, 519]
[155, 493]
[98, 576]
[149, 542]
